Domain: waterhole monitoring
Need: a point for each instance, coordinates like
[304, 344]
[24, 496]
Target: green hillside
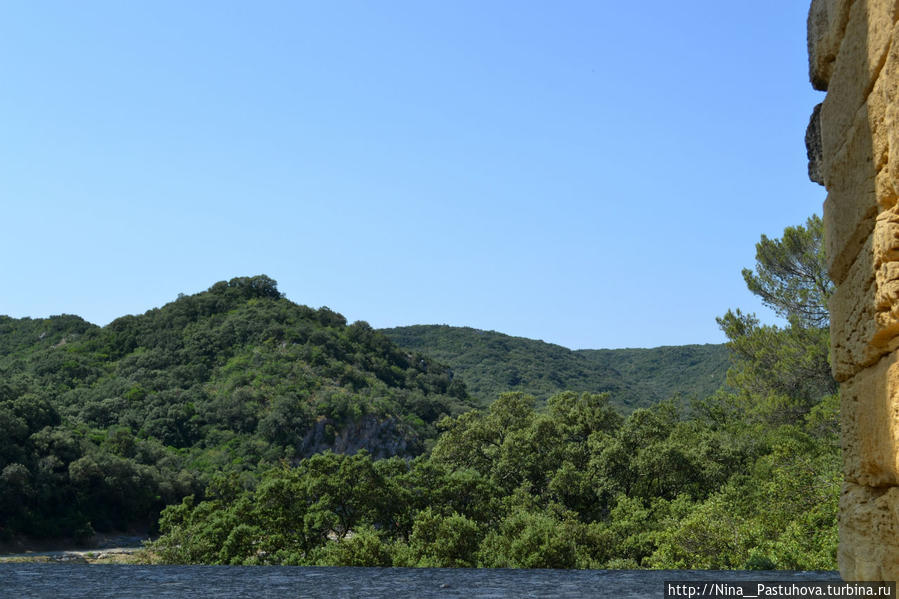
[102, 427]
[491, 363]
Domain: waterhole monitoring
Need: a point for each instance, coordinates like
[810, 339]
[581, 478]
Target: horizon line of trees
[748, 478]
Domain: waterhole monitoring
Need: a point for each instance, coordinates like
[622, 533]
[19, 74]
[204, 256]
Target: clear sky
[590, 173]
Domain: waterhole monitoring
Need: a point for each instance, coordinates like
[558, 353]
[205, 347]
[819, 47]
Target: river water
[37, 580]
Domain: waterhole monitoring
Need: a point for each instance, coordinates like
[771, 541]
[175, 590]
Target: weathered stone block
[858, 184]
[854, 55]
[826, 24]
[864, 309]
[888, 90]
[886, 187]
[854, 162]
[864, 145]
[848, 221]
[869, 412]
[852, 318]
[869, 533]
[862, 54]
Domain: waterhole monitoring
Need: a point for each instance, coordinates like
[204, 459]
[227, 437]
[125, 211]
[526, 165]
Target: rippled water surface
[162, 582]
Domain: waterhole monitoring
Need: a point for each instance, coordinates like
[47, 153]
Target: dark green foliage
[745, 478]
[781, 373]
[791, 274]
[569, 486]
[224, 401]
[491, 363]
[103, 427]
[26, 335]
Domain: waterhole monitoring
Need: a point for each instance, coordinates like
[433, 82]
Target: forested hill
[748, 478]
[103, 426]
[491, 363]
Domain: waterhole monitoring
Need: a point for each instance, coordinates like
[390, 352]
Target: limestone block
[888, 88]
[853, 317]
[826, 24]
[864, 309]
[849, 216]
[864, 144]
[888, 190]
[873, 115]
[869, 533]
[886, 187]
[855, 161]
[869, 414]
[858, 184]
[859, 61]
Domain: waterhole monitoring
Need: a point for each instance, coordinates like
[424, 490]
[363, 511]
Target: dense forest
[278, 434]
[491, 363]
[103, 427]
[748, 477]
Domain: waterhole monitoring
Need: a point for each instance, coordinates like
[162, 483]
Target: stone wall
[853, 142]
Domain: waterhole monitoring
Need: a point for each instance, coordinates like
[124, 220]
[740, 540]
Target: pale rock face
[869, 533]
[859, 61]
[869, 413]
[847, 225]
[826, 23]
[854, 56]
[854, 132]
[865, 306]
[888, 190]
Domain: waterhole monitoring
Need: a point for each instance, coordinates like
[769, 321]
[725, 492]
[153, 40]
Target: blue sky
[593, 174]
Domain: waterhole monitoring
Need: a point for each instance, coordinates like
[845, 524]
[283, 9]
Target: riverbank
[102, 548]
[115, 555]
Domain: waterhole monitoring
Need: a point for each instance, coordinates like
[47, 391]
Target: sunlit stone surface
[854, 56]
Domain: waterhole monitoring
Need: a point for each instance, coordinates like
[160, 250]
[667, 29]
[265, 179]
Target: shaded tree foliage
[103, 427]
[790, 274]
[491, 363]
[747, 477]
[219, 405]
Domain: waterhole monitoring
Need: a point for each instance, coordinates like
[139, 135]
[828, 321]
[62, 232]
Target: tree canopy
[745, 478]
[492, 363]
[103, 427]
[790, 274]
[265, 432]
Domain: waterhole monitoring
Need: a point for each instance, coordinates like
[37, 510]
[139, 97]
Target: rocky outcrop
[869, 525]
[853, 146]
[826, 24]
[382, 438]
